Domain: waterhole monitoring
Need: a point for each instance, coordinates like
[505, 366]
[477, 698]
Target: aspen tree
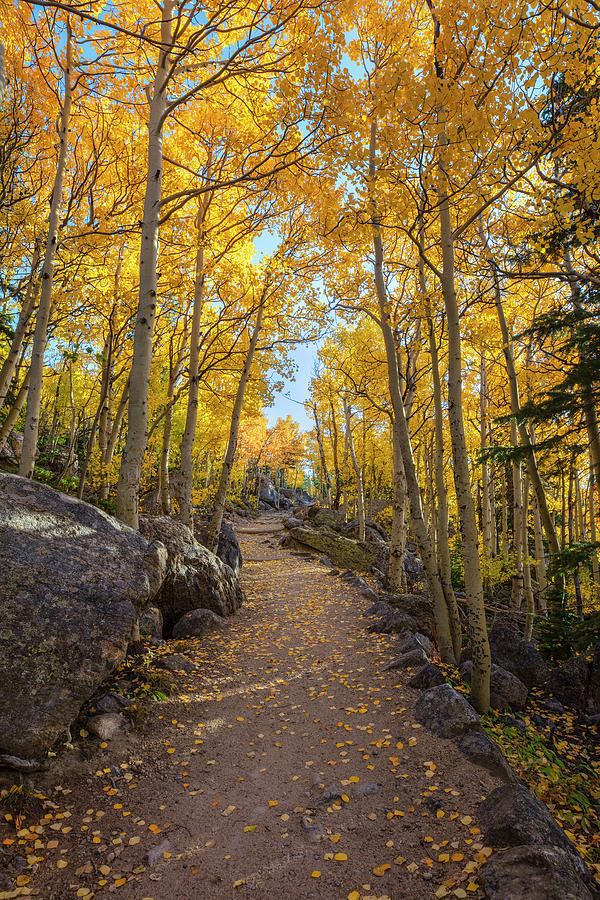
[40, 337]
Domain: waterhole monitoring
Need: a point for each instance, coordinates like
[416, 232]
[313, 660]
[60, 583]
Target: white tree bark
[480, 682]
[441, 613]
[40, 337]
[214, 527]
[191, 419]
[137, 413]
[360, 497]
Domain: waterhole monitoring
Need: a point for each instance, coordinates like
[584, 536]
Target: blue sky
[304, 356]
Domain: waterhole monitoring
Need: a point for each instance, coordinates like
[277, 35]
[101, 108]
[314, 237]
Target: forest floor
[286, 765]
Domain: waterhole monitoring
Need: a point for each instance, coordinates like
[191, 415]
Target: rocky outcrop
[151, 622]
[533, 872]
[512, 816]
[569, 682]
[342, 551]
[195, 577]
[506, 690]
[228, 547]
[445, 712]
[511, 651]
[196, 623]
[74, 582]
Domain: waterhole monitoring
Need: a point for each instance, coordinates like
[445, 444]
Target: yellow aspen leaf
[315, 874]
[382, 869]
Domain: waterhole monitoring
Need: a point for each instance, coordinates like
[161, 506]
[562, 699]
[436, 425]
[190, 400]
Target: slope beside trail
[288, 753]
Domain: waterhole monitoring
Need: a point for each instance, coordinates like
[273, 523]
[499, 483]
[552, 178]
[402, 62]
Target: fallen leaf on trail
[382, 869]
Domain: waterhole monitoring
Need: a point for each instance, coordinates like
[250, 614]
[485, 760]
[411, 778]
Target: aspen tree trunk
[443, 540]
[40, 336]
[513, 383]
[476, 622]
[448, 637]
[486, 512]
[113, 438]
[571, 501]
[540, 558]
[29, 300]
[396, 573]
[324, 469]
[527, 588]
[504, 515]
[68, 471]
[191, 418]
[516, 596]
[336, 465]
[214, 527]
[165, 450]
[360, 499]
[137, 418]
[14, 412]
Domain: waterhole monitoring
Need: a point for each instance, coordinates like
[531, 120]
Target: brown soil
[227, 779]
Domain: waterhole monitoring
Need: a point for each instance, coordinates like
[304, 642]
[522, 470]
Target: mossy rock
[342, 551]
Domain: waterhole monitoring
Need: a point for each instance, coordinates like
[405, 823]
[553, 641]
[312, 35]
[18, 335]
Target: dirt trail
[227, 785]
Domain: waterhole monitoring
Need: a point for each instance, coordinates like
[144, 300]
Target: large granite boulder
[228, 547]
[532, 872]
[267, 492]
[445, 712]
[569, 682]
[320, 517]
[512, 816]
[511, 651]
[74, 582]
[195, 578]
[197, 623]
[342, 551]
[506, 690]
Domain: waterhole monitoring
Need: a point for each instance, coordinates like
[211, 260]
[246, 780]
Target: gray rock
[267, 492]
[512, 815]
[228, 547]
[480, 749]
[419, 606]
[397, 622]
[506, 690]
[110, 703]
[413, 567]
[342, 551]
[510, 651]
[326, 518]
[367, 789]
[196, 623]
[326, 562]
[333, 792]
[412, 659]
[292, 522]
[534, 872]
[106, 726]
[446, 712]
[74, 581]
[427, 677]
[151, 622]
[569, 682]
[155, 853]
[175, 662]
[379, 609]
[195, 578]
[415, 642]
